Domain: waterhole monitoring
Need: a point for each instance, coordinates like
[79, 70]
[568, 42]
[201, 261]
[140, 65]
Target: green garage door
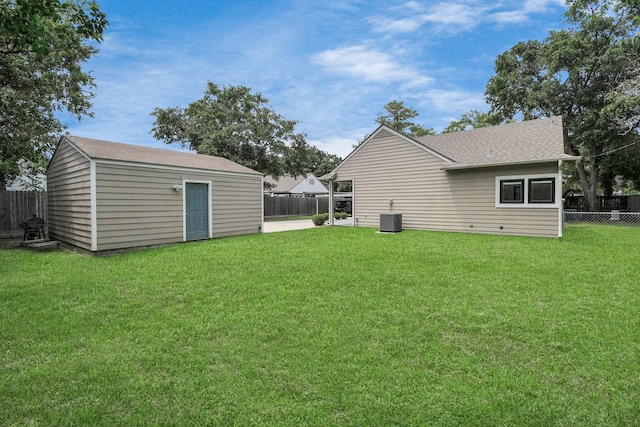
[197, 210]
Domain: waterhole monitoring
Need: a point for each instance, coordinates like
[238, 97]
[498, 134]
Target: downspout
[559, 191]
[93, 205]
[331, 202]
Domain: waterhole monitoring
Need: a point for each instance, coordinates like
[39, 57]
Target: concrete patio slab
[277, 226]
[299, 224]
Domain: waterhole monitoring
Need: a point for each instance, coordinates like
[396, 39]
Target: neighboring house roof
[296, 184]
[105, 150]
[283, 184]
[532, 141]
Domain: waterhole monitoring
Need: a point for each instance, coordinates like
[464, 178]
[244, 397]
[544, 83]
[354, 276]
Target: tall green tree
[320, 162]
[398, 117]
[633, 5]
[624, 104]
[235, 123]
[472, 120]
[43, 44]
[570, 73]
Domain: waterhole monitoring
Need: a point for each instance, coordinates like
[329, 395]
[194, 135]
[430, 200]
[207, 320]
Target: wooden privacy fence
[17, 206]
[294, 206]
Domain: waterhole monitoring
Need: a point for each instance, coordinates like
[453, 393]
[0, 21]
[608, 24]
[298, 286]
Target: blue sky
[331, 65]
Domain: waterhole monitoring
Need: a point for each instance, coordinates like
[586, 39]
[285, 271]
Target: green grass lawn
[327, 326]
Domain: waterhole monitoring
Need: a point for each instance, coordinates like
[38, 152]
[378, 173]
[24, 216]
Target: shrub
[318, 219]
[337, 215]
[345, 215]
[325, 215]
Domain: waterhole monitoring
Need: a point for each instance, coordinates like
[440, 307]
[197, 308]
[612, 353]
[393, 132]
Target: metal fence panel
[612, 218]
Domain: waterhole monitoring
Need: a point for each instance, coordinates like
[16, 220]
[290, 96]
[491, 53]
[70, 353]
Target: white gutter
[448, 166]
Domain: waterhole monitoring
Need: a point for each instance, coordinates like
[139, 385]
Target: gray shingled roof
[529, 141]
[106, 150]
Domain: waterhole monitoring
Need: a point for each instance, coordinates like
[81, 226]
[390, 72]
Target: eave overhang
[458, 166]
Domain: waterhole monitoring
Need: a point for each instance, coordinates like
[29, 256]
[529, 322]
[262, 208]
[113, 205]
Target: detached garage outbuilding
[105, 196]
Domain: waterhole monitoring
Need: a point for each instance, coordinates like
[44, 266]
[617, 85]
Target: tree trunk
[589, 182]
[594, 206]
[588, 179]
[607, 182]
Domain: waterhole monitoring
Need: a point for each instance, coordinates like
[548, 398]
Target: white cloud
[524, 13]
[511, 17]
[413, 5]
[405, 25]
[442, 14]
[369, 64]
[452, 14]
[541, 6]
[453, 17]
[455, 100]
[458, 17]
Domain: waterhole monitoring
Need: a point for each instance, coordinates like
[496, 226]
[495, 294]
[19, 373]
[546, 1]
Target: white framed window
[528, 191]
[512, 191]
[542, 190]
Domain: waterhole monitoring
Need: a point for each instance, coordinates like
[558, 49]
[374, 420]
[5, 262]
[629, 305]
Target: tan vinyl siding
[237, 205]
[69, 197]
[137, 206]
[388, 167]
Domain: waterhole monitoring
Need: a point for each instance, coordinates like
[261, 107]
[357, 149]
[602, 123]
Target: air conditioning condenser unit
[390, 223]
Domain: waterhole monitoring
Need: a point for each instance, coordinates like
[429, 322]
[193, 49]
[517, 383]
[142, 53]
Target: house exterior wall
[138, 206]
[69, 197]
[429, 198]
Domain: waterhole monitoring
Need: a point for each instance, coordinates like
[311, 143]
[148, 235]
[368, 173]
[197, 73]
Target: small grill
[33, 228]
